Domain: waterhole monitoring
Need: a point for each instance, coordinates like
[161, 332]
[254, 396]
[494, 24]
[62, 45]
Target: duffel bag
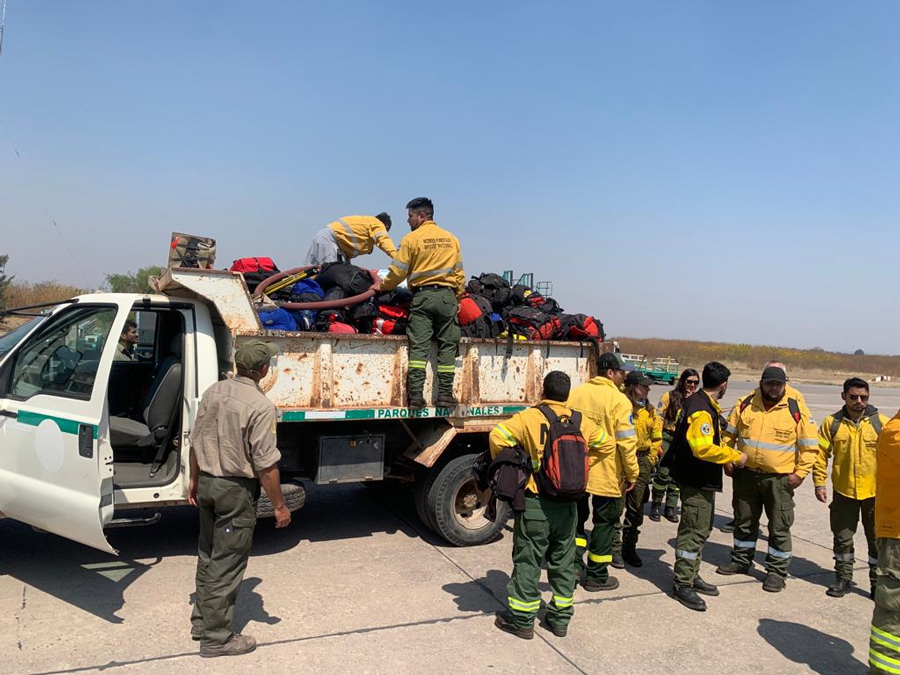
[580, 327]
[255, 270]
[349, 278]
[493, 287]
[543, 304]
[532, 323]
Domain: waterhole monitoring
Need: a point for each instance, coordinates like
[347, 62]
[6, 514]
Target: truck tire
[294, 499]
[457, 508]
[420, 496]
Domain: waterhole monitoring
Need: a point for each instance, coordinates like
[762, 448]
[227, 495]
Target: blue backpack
[307, 290]
[277, 319]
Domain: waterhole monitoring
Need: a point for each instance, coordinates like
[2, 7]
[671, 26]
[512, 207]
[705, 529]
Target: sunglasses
[858, 397]
[693, 383]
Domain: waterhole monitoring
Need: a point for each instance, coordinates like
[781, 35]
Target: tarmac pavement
[357, 584]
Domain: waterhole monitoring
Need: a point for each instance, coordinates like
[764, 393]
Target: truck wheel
[420, 497]
[457, 507]
[294, 499]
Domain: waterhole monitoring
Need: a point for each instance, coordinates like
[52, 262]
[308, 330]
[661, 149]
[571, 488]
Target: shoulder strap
[576, 419]
[794, 407]
[746, 401]
[548, 413]
[874, 418]
[836, 423]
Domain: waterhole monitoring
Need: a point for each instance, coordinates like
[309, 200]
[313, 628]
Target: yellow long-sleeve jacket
[853, 446]
[661, 413]
[359, 235]
[773, 440]
[529, 428]
[648, 429]
[887, 478]
[601, 401]
[700, 436]
[428, 256]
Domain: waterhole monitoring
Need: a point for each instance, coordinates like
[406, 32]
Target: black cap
[420, 203]
[386, 219]
[612, 361]
[637, 377]
[773, 373]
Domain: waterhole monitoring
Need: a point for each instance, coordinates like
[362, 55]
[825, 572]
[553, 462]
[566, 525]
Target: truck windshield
[12, 338]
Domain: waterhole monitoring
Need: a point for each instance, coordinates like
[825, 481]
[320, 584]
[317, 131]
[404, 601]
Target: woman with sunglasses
[664, 487]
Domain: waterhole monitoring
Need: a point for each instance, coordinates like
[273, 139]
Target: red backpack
[564, 467]
[580, 327]
[253, 265]
[532, 324]
[477, 318]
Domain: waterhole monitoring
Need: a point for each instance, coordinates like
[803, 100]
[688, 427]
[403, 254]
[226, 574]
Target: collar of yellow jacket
[556, 405]
[424, 225]
[757, 401]
[605, 381]
[715, 403]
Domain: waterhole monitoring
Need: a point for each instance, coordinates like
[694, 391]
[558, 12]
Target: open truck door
[56, 462]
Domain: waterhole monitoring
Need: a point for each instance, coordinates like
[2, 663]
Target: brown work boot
[505, 623]
[446, 401]
[238, 644]
[415, 400]
[593, 586]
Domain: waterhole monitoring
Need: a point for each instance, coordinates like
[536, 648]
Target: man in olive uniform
[545, 530]
[430, 260]
[233, 450]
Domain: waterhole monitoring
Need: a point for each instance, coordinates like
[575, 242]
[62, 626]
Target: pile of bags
[490, 308]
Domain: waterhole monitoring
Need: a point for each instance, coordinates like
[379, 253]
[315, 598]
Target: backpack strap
[551, 416]
[836, 420]
[874, 418]
[746, 401]
[794, 407]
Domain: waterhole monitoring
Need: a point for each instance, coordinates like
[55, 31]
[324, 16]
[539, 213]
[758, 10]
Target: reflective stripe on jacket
[358, 235]
[601, 401]
[428, 256]
[853, 447]
[530, 427]
[773, 440]
[887, 478]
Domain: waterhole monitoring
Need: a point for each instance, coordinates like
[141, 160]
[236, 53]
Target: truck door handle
[8, 413]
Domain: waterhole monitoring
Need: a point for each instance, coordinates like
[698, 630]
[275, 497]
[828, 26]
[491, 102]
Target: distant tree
[137, 282]
[859, 352]
[4, 280]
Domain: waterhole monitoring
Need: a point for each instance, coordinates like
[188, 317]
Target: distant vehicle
[663, 369]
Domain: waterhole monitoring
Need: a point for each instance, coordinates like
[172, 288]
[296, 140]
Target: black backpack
[484, 325]
[492, 286]
[564, 465]
[532, 324]
[352, 280]
[871, 412]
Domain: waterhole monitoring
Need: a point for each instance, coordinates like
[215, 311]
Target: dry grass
[25, 294]
[695, 354]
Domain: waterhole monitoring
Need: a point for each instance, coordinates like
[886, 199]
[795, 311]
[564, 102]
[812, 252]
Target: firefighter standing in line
[780, 439]
[884, 639]
[546, 529]
[601, 401]
[349, 237]
[851, 434]
[648, 429]
[664, 486]
[696, 457]
[430, 260]
[233, 450]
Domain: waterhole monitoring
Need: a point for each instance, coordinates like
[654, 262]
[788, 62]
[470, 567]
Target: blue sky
[704, 170]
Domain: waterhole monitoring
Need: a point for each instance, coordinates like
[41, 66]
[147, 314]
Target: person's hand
[629, 486]
[743, 460]
[282, 516]
[822, 494]
[794, 481]
[729, 469]
[192, 491]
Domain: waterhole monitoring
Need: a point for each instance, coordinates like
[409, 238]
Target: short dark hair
[714, 374]
[129, 324]
[557, 385]
[855, 383]
[423, 205]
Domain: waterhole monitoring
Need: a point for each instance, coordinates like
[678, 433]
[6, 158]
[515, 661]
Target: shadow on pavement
[249, 606]
[480, 595]
[823, 653]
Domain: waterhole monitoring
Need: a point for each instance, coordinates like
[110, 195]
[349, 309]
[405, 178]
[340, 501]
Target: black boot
[670, 514]
[505, 623]
[654, 510]
[630, 556]
[839, 588]
[688, 597]
[705, 588]
[774, 583]
[446, 401]
[618, 561]
[415, 399]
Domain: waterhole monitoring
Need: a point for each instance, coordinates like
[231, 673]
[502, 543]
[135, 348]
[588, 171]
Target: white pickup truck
[84, 435]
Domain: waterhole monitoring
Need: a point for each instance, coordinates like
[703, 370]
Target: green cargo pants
[697, 512]
[845, 516]
[545, 530]
[599, 545]
[884, 640]
[433, 314]
[634, 504]
[664, 485]
[753, 492]
[227, 519]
